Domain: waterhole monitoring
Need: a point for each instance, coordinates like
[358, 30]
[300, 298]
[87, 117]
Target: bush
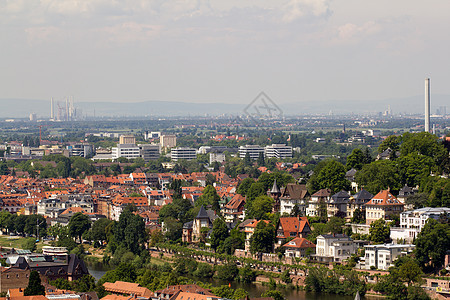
[204, 271]
[227, 272]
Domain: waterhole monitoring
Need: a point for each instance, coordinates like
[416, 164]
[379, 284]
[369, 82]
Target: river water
[254, 290]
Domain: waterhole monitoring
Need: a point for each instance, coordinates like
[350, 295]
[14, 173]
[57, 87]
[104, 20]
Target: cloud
[296, 9]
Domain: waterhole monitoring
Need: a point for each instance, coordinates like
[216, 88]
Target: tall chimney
[52, 114]
[427, 105]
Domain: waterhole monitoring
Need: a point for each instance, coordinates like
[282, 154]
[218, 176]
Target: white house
[334, 248]
[383, 256]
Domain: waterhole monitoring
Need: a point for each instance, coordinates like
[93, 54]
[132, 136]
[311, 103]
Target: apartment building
[383, 205]
[280, 151]
[183, 153]
[252, 150]
[383, 256]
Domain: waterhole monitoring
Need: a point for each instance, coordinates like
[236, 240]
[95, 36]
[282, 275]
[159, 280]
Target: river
[254, 290]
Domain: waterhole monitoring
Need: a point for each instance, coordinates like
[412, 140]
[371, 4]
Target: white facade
[183, 153]
[129, 151]
[418, 218]
[334, 248]
[216, 157]
[252, 150]
[278, 151]
[382, 256]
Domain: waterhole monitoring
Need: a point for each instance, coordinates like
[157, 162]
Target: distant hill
[21, 108]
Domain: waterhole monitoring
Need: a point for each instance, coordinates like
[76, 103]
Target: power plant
[66, 110]
[427, 105]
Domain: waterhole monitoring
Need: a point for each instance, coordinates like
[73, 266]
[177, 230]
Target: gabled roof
[299, 243]
[322, 193]
[235, 202]
[384, 198]
[292, 224]
[129, 288]
[294, 191]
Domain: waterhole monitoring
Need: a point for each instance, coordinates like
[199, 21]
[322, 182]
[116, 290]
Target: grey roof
[340, 197]
[362, 196]
[202, 214]
[275, 189]
[335, 236]
[188, 225]
[350, 173]
[405, 191]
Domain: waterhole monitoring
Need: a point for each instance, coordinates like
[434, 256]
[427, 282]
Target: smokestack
[427, 105]
[52, 114]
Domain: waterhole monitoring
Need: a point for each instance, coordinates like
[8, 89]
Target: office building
[149, 151]
[252, 150]
[183, 153]
[168, 140]
[129, 151]
[127, 139]
[82, 150]
[280, 151]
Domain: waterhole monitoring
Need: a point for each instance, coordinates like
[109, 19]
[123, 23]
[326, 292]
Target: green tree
[260, 207]
[358, 216]
[255, 190]
[379, 175]
[432, 243]
[247, 160]
[227, 271]
[356, 160]
[79, 224]
[100, 229]
[274, 294]
[261, 162]
[263, 238]
[35, 286]
[414, 168]
[130, 231]
[379, 232]
[219, 233]
[392, 142]
[209, 197]
[332, 176]
[244, 186]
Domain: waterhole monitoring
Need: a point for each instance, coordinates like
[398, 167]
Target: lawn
[17, 242]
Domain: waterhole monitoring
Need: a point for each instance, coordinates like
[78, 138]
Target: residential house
[318, 200]
[299, 247]
[249, 229]
[412, 222]
[204, 219]
[383, 256]
[170, 291]
[13, 278]
[358, 201]
[337, 205]
[292, 195]
[127, 288]
[334, 248]
[383, 205]
[292, 227]
[234, 210]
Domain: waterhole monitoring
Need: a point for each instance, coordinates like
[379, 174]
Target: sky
[223, 51]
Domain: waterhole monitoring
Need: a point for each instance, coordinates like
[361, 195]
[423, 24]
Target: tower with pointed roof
[275, 193]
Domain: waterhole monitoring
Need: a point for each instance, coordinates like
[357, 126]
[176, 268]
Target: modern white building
[417, 218]
[412, 222]
[334, 248]
[383, 256]
[216, 157]
[129, 151]
[278, 151]
[252, 150]
[183, 153]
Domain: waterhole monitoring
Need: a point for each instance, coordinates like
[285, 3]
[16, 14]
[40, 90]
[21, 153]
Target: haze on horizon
[223, 51]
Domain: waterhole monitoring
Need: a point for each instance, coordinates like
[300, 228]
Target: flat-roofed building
[252, 150]
[280, 151]
[168, 140]
[383, 256]
[129, 151]
[127, 139]
[183, 153]
[149, 151]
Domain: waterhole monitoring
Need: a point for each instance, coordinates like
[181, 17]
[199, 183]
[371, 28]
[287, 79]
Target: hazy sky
[223, 51]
